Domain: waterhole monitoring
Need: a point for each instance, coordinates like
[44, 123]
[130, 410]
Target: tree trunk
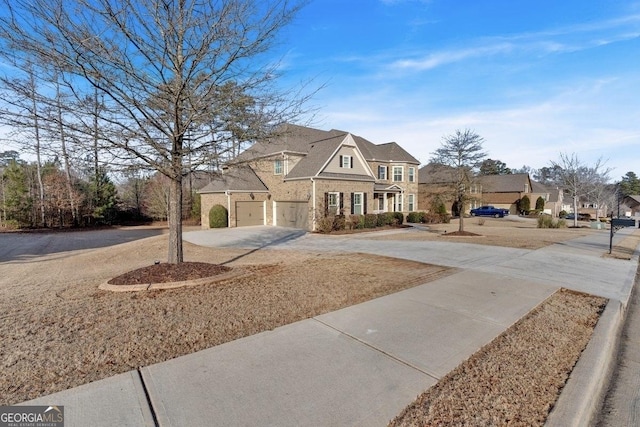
[36, 126]
[65, 155]
[461, 213]
[175, 220]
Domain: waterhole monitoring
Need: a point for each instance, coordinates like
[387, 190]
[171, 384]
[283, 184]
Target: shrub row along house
[305, 174]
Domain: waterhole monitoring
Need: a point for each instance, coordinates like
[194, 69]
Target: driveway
[23, 246]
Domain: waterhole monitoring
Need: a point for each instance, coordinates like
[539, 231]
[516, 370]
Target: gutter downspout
[313, 205]
[228, 194]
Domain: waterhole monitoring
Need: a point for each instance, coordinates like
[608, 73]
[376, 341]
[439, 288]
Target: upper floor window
[412, 175]
[277, 166]
[346, 161]
[382, 172]
[398, 173]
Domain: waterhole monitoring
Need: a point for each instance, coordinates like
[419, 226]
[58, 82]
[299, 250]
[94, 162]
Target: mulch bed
[461, 233]
[165, 273]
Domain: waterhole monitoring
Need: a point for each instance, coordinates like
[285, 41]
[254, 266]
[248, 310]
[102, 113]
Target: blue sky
[533, 78]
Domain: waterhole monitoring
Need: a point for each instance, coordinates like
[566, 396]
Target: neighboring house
[552, 195]
[630, 206]
[505, 191]
[502, 191]
[303, 174]
[436, 184]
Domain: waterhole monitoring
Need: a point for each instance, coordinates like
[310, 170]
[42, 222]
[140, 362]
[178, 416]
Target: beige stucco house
[304, 174]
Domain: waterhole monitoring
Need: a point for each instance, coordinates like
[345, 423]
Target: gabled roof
[317, 155]
[389, 152]
[300, 139]
[552, 190]
[508, 183]
[239, 178]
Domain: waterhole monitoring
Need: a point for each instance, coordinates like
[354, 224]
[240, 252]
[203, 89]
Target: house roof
[435, 173]
[300, 139]
[508, 183]
[552, 190]
[240, 178]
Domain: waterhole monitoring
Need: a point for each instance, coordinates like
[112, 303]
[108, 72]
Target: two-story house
[302, 174]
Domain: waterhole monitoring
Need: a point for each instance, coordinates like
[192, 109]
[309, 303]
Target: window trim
[361, 204]
[337, 205]
[401, 173]
[384, 169]
[411, 202]
[411, 174]
[278, 164]
[346, 159]
[398, 202]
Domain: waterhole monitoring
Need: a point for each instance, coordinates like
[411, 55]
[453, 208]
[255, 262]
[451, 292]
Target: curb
[581, 398]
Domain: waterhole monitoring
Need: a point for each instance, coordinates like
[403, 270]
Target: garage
[292, 214]
[249, 213]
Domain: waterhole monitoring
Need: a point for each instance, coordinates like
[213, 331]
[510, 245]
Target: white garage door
[292, 214]
[249, 213]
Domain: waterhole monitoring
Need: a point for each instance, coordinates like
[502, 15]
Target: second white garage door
[292, 214]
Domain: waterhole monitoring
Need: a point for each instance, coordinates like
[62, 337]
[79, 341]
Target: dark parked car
[489, 211]
[581, 217]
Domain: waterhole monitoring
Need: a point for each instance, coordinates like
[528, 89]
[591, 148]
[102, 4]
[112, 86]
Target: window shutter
[326, 203]
[352, 211]
[340, 161]
[351, 162]
[364, 209]
[341, 203]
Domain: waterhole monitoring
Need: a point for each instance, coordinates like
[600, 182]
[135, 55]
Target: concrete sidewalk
[359, 366]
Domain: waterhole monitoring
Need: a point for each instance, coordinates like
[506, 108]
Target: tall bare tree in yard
[463, 152]
[579, 180]
[159, 66]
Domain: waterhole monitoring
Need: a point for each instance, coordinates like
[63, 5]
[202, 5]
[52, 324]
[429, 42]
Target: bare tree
[463, 152]
[580, 181]
[159, 66]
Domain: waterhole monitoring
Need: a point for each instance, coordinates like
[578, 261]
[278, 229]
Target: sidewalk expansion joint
[148, 397]
[390, 356]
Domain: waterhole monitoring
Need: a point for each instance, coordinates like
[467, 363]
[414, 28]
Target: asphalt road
[21, 246]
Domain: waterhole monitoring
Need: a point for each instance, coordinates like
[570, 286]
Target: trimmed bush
[399, 217]
[218, 217]
[540, 204]
[416, 217]
[524, 205]
[381, 220]
[370, 220]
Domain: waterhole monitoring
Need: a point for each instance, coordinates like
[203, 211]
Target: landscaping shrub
[329, 223]
[389, 218]
[370, 220]
[416, 217]
[562, 214]
[540, 204]
[381, 220]
[546, 221]
[325, 225]
[524, 205]
[399, 217]
[218, 217]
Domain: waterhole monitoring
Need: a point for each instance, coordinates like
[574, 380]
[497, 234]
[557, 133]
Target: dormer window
[346, 162]
[277, 167]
